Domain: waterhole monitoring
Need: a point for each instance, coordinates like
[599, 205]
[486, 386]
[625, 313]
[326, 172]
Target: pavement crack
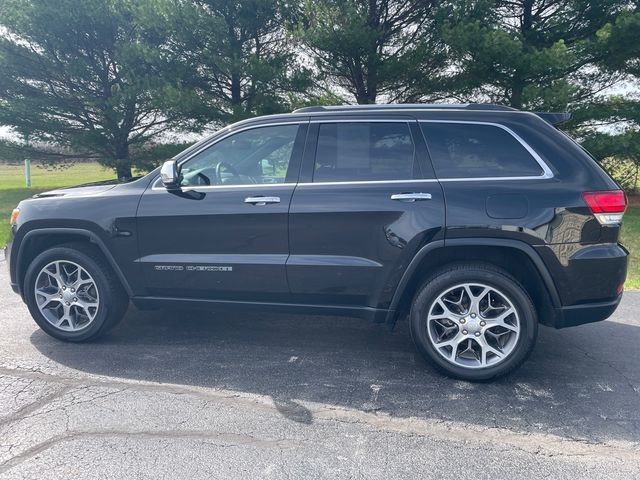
[538, 442]
[635, 388]
[220, 439]
[32, 407]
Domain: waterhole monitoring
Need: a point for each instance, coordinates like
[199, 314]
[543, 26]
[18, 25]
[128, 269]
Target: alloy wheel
[66, 295]
[473, 325]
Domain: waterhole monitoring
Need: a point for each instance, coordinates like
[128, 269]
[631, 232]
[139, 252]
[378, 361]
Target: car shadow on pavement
[581, 383]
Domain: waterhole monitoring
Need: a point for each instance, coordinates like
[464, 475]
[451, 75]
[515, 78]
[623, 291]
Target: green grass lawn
[12, 191]
[631, 240]
[12, 188]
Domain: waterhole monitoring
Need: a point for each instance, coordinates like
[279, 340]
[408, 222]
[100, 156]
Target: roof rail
[405, 106]
[554, 118]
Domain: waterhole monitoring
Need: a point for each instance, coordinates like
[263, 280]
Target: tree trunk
[516, 96]
[236, 94]
[361, 83]
[365, 98]
[517, 91]
[123, 163]
[123, 170]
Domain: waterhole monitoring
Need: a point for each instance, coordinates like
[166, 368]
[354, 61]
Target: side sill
[367, 313]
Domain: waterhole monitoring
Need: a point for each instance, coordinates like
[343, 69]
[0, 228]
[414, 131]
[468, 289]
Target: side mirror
[169, 175]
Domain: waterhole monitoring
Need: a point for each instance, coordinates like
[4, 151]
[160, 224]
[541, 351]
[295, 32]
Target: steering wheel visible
[227, 168]
[202, 179]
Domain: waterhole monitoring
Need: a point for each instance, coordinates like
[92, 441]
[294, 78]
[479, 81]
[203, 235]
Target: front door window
[257, 156]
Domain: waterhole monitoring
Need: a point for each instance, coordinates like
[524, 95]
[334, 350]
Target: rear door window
[465, 150]
[364, 151]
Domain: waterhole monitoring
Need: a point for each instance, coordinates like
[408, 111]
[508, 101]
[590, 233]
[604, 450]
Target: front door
[224, 236]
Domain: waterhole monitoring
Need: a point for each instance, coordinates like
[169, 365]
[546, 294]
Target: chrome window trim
[364, 120]
[302, 184]
[546, 171]
[368, 182]
[210, 188]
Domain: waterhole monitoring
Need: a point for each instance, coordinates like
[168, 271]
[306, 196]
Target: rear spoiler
[554, 118]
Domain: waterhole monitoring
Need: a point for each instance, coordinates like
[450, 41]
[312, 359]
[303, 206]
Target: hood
[93, 188]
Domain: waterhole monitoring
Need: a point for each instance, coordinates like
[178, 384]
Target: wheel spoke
[83, 278]
[453, 343]
[486, 349]
[500, 320]
[44, 298]
[457, 302]
[85, 306]
[446, 329]
[475, 299]
[55, 274]
[447, 313]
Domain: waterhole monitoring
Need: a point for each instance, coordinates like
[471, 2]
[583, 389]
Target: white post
[27, 166]
[27, 172]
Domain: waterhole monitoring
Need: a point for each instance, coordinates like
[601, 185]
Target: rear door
[366, 201]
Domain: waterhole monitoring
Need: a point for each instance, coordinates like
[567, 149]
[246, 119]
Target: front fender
[22, 243]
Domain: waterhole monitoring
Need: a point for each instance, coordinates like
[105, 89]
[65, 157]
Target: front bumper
[7, 258]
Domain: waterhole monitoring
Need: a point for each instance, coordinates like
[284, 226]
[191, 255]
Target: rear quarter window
[465, 150]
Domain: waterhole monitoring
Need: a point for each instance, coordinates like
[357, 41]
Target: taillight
[608, 207]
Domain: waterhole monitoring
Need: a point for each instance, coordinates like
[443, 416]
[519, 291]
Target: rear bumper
[585, 313]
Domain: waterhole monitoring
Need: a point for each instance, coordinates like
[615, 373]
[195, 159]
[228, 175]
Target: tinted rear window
[362, 151]
[460, 150]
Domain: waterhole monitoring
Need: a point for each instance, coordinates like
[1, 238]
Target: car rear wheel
[473, 321]
[73, 294]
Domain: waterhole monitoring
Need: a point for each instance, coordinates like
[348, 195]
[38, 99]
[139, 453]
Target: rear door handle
[261, 200]
[411, 197]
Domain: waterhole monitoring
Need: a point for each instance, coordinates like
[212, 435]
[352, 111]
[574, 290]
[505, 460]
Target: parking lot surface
[217, 395]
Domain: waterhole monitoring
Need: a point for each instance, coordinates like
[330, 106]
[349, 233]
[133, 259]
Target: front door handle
[411, 197]
[261, 200]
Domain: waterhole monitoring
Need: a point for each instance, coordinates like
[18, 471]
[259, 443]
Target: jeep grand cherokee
[477, 221]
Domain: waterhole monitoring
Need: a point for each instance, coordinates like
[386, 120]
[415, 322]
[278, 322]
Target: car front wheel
[473, 322]
[73, 294]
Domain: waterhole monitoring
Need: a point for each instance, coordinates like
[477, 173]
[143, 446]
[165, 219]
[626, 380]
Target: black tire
[113, 299]
[486, 274]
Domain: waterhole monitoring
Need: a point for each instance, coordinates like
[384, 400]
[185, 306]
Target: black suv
[478, 221]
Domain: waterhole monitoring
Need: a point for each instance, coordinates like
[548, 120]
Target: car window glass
[364, 151]
[258, 155]
[460, 150]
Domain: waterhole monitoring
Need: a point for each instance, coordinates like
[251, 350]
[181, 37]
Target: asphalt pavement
[217, 395]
